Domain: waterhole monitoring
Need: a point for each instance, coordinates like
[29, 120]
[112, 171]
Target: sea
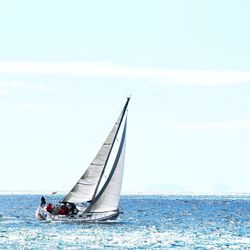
[147, 222]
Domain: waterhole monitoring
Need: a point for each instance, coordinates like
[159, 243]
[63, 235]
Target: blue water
[148, 222]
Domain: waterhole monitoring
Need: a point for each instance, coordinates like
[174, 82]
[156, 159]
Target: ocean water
[147, 222]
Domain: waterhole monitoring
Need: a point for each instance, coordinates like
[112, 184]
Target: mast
[105, 164]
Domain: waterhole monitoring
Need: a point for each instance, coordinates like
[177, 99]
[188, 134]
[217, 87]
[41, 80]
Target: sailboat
[95, 196]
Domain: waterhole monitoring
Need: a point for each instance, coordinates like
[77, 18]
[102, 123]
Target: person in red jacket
[63, 210]
[49, 208]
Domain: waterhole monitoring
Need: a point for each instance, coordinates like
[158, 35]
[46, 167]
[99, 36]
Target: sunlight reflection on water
[148, 222]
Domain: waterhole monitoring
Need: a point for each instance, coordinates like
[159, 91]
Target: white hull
[43, 215]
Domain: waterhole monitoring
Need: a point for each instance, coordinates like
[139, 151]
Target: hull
[43, 215]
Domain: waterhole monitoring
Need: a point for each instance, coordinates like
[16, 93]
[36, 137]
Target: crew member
[63, 210]
[43, 201]
[49, 208]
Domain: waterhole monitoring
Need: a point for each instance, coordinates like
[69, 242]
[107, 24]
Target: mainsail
[87, 186]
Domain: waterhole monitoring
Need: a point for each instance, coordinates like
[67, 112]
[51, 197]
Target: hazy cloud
[160, 76]
[11, 87]
[26, 105]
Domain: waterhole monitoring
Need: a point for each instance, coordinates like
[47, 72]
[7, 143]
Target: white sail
[85, 187]
[109, 196]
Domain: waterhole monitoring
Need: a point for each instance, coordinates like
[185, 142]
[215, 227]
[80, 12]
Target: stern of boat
[42, 214]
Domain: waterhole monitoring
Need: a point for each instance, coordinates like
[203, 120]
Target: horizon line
[139, 192]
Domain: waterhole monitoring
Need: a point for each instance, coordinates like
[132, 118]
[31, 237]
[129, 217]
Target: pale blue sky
[67, 67]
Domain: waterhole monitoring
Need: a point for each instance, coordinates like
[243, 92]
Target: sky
[67, 67]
